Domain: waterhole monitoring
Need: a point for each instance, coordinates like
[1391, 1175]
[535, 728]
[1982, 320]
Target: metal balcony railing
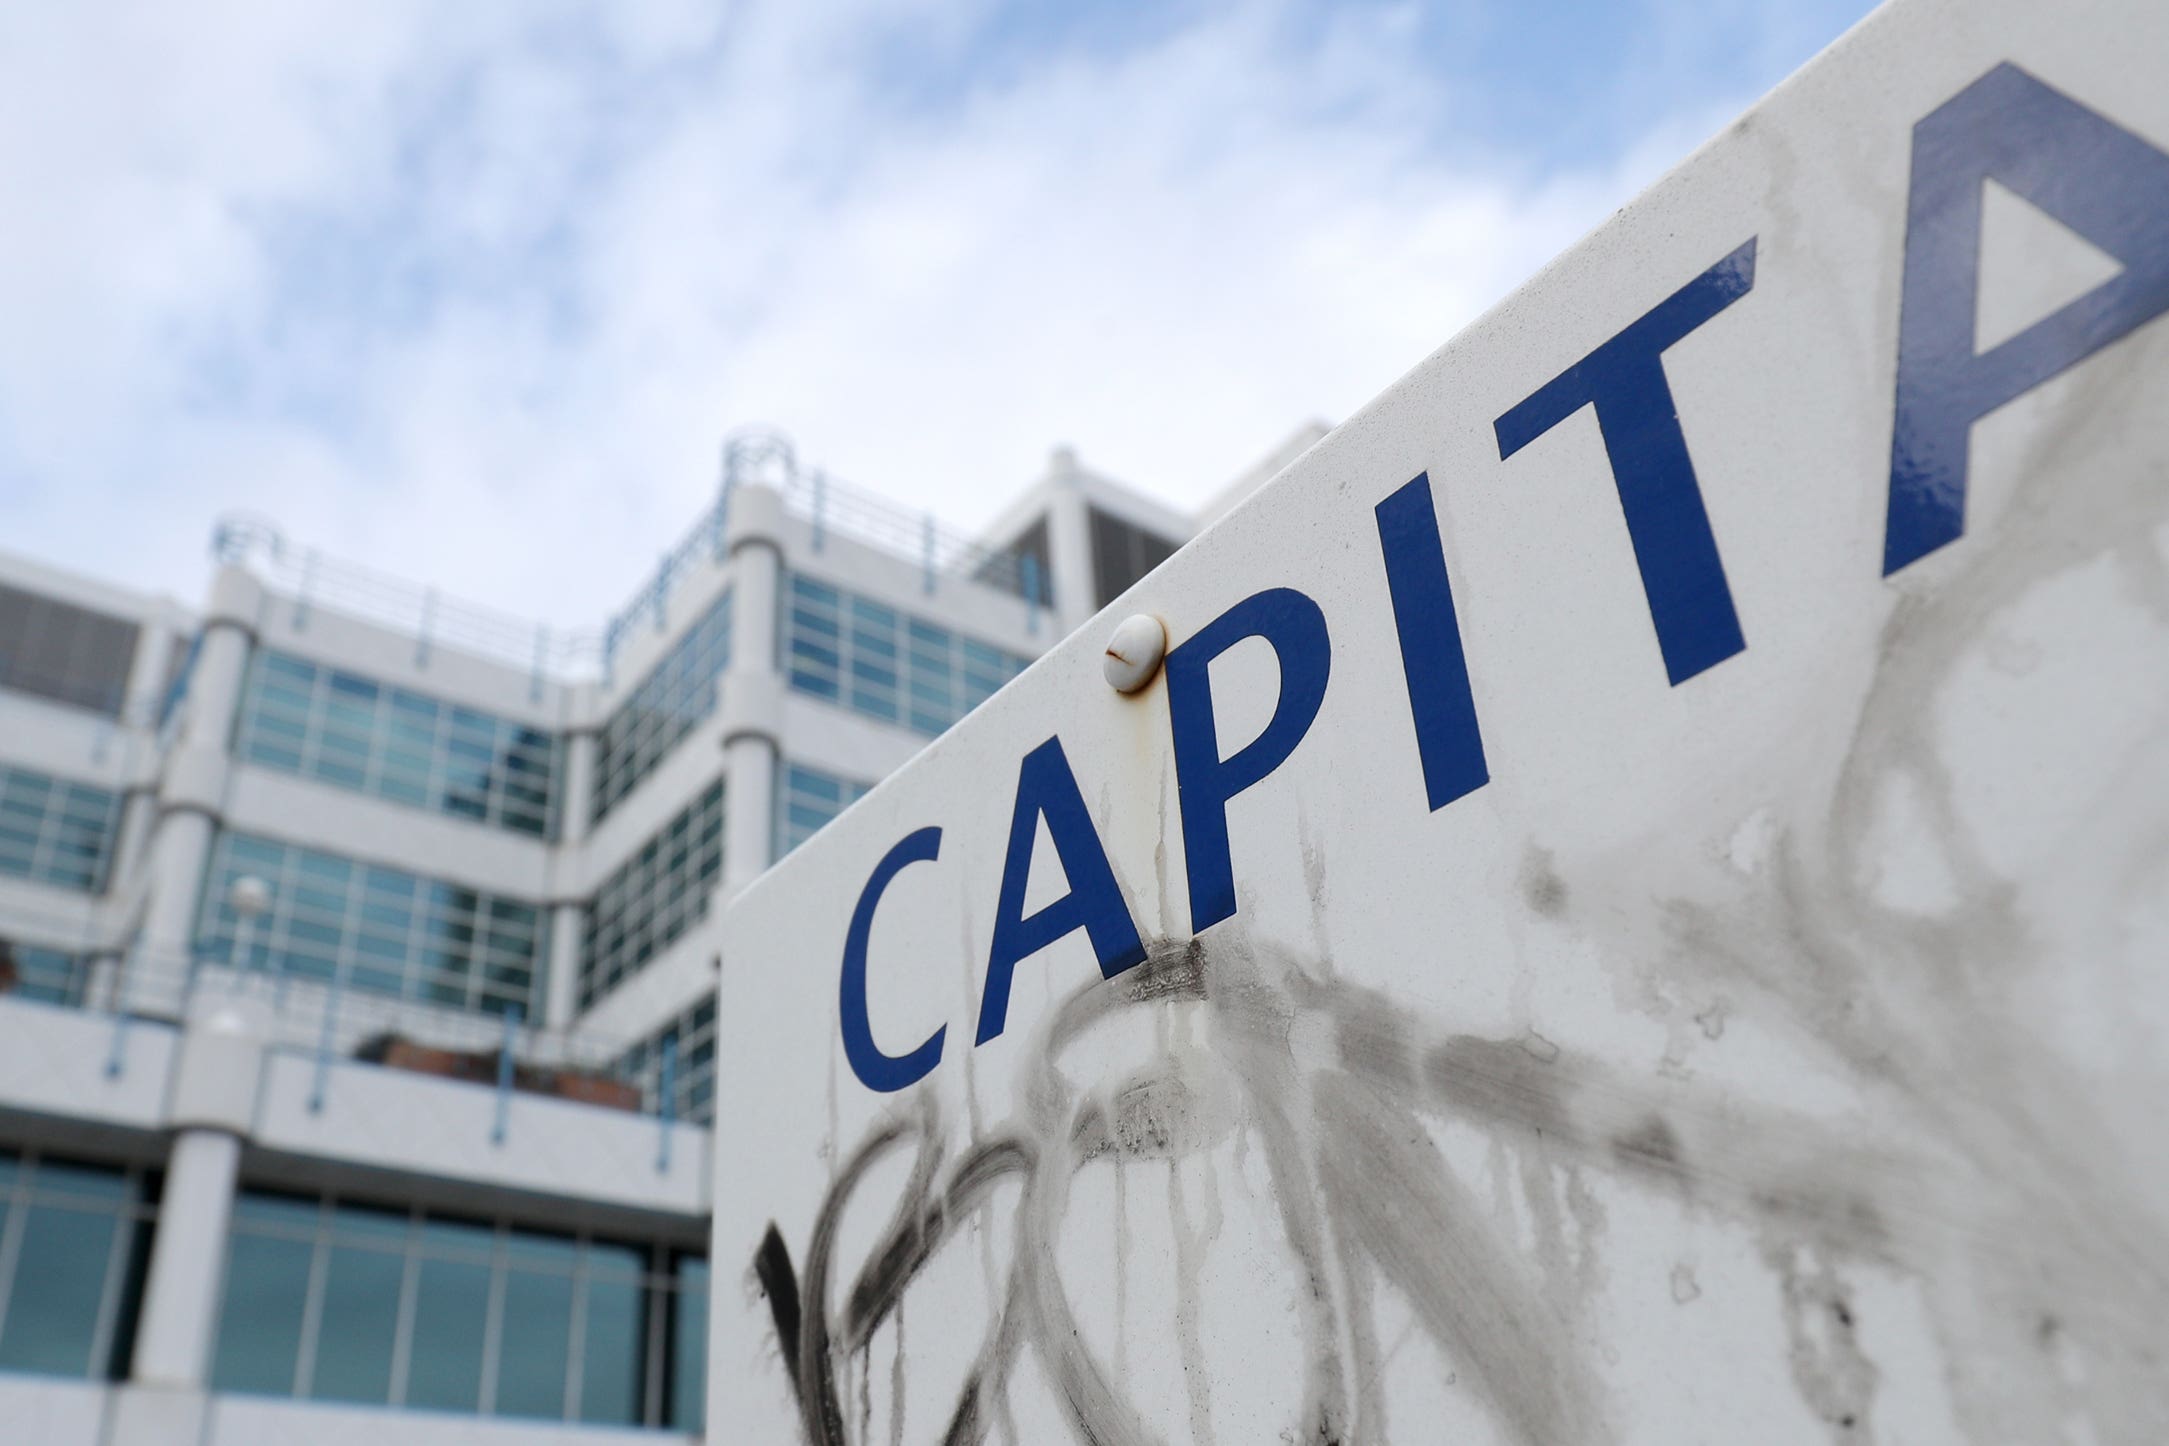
[666, 1076]
[312, 578]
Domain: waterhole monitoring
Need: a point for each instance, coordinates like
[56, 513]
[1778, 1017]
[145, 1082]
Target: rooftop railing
[311, 578]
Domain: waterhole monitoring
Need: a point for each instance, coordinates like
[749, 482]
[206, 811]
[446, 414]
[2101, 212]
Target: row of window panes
[806, 799]
[867, 656]
[73, 1245]
[34, 971]
[345, 729]
[677, 693]
[376, 929]
[337, 1301]
[654, 896]
[55, 831]
[693, 1067]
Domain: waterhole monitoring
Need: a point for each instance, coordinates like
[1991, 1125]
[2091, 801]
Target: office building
[355, 1032]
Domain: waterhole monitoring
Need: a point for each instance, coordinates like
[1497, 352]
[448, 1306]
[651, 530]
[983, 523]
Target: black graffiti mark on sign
[1365, 1197]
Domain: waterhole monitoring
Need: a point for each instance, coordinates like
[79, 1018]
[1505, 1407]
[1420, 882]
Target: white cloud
[471, 293]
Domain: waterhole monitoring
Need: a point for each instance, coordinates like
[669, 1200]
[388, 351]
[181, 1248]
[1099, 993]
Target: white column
[180, 851]
[193, 787]
[752, 721]
[212, 1105]
[561, 1000]
[1069, 548]
[756, 563]
[749, 789]
[188, 1260]
[576, 789]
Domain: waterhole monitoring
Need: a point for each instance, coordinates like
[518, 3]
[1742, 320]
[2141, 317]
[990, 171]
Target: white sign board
[1638, 906]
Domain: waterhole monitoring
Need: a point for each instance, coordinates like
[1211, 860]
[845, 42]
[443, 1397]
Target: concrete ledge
[151, 1416]
[418, 1124]
[35, 1410]
[53, 1061]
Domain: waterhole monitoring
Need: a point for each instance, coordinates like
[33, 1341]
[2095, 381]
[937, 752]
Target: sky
[472, 293]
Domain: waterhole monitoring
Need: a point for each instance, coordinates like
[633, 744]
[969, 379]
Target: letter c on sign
[878, 1071]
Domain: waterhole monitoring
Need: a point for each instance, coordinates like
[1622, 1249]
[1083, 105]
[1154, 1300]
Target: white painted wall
[417, 1124]
[53, 1061]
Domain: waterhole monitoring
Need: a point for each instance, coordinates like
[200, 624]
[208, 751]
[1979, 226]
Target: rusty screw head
[1134, 652]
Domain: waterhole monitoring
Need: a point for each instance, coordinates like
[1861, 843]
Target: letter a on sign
[2095, 177]
[1047, 789]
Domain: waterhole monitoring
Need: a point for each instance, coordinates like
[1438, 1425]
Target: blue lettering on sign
[1046, 788]
[1623, 379]
[878, 1071]
[1447, 739]
[2100, 180]
[2092, 175]
[1204, 781]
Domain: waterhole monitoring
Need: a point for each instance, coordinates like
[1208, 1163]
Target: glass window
[654, 896]
[806, 799]
[34, 971]
[346, 1302]
[56, 831]
[376, 929]
[266, 1296]
[689, 1043]
[844, 648]
[70, 1252]
[358, 1321]
[399, 745]
[613, 1321]
[679, 691]
[450, 1315]
[535, 1350]
[689, 1347]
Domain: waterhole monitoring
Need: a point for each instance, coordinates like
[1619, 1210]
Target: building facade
[356, 1040]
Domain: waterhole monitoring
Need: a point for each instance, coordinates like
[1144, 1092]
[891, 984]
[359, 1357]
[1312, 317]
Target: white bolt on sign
[1636, 907]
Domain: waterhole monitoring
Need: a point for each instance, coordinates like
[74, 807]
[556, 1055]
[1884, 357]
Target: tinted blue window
[807, 798]
[357, 733]
[611, 1358]
[55, 831]
[884, 658]
[358, 1322]
[654, 896]
[677, 693]
[535, 1348]
[450, 1316]
[72, 1251]
[376, 928]
[689, 1348]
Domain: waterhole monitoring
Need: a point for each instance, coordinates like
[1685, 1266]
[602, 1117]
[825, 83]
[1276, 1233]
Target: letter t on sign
[1682, 576]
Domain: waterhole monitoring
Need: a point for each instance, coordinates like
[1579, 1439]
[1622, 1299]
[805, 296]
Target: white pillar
[1069, 548]
[576, 788]
[749, 808]
[752, 711]
[561, 998]
[188, 1261]
[192, 790]
[756, 563]
[568, 922]
[180, 851]
[212, 1106]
